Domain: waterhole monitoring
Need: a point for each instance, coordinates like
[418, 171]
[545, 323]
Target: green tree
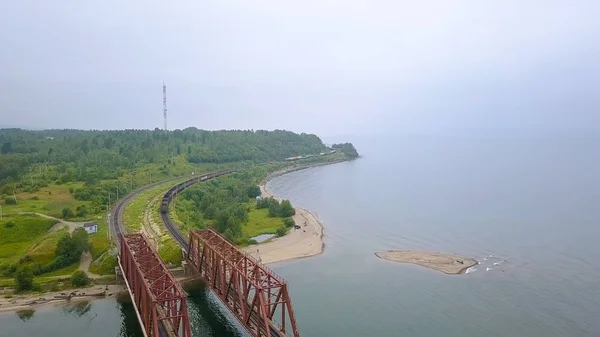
[79, 279]
[24, 279]
[274, 209]
[80, 237]
[288, 222]
[66, 250]
[253, 191]
[7, 148]
[67, 213]
[286, 209]
[69, 248]
[281, 231]
[81, 211]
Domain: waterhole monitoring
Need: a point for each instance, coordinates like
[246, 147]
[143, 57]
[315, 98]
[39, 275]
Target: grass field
[259, 222]
[30, 235]
[42, 251]
[19, 232]
[170, 252]
[100, 241]
[48, 200]
[134, 212]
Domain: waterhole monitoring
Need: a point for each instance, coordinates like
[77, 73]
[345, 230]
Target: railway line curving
[116, 216]
[168, 197]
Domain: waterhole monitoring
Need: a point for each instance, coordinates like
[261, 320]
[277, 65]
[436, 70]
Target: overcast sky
[328, 67]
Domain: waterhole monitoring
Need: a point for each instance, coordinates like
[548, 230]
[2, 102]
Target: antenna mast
[165, 103]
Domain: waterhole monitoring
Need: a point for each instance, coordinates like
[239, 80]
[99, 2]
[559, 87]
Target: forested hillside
[101, 164]
[94, 155]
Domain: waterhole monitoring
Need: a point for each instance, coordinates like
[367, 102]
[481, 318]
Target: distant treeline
[112, 163]
[347, 149]
[94, 155]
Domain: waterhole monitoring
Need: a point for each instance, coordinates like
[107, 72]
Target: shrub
[10, 201]
[252, 242]
[24, 279]
[79, 279]
[67, 213]
[81, 211]
[35, 198]
[26, 258]
[281, 231]
[288, 222]
[9, 224]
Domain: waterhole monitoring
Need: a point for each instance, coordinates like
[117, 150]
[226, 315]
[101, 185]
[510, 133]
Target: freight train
[164, 207]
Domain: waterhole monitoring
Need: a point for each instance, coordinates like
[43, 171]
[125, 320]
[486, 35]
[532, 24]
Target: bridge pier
[186, 269]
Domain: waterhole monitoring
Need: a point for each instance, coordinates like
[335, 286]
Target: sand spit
[446, 263]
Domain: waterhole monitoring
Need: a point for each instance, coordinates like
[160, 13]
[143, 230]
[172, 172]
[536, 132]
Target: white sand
[298, 243]
[446, 263]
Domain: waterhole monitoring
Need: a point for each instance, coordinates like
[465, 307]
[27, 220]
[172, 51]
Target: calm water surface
[527, 209]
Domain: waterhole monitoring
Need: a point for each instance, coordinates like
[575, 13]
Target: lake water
[526, 208]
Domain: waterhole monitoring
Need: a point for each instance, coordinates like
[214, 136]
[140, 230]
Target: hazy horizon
[330, 68]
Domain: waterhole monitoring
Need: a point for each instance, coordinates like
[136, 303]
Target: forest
[106, 164]
[347, 149]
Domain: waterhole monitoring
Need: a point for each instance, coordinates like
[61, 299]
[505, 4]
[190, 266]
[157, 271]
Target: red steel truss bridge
[160, 302]
[256, 296]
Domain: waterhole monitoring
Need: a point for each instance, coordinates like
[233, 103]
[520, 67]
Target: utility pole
[108, 223]
[0, 212]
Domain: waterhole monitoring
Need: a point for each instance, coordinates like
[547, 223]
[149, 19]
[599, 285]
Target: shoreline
[297, 243]
[18, 302]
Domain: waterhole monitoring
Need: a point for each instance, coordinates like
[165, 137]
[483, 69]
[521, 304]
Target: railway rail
[116, 219]
[168, 197]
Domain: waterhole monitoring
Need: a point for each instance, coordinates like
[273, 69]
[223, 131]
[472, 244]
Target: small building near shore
[90, 227]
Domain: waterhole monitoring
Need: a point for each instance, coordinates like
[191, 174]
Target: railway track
[168, 197]
[116, 219]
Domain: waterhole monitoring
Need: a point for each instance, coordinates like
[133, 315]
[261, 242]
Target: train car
[169, 195]
[164, 207]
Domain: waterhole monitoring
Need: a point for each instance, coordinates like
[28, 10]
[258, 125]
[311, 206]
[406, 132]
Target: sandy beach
[33, 301]
[446, 263]
[298, 243]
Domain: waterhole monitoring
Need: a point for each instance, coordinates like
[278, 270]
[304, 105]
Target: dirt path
[61, 223]
[84, 264]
